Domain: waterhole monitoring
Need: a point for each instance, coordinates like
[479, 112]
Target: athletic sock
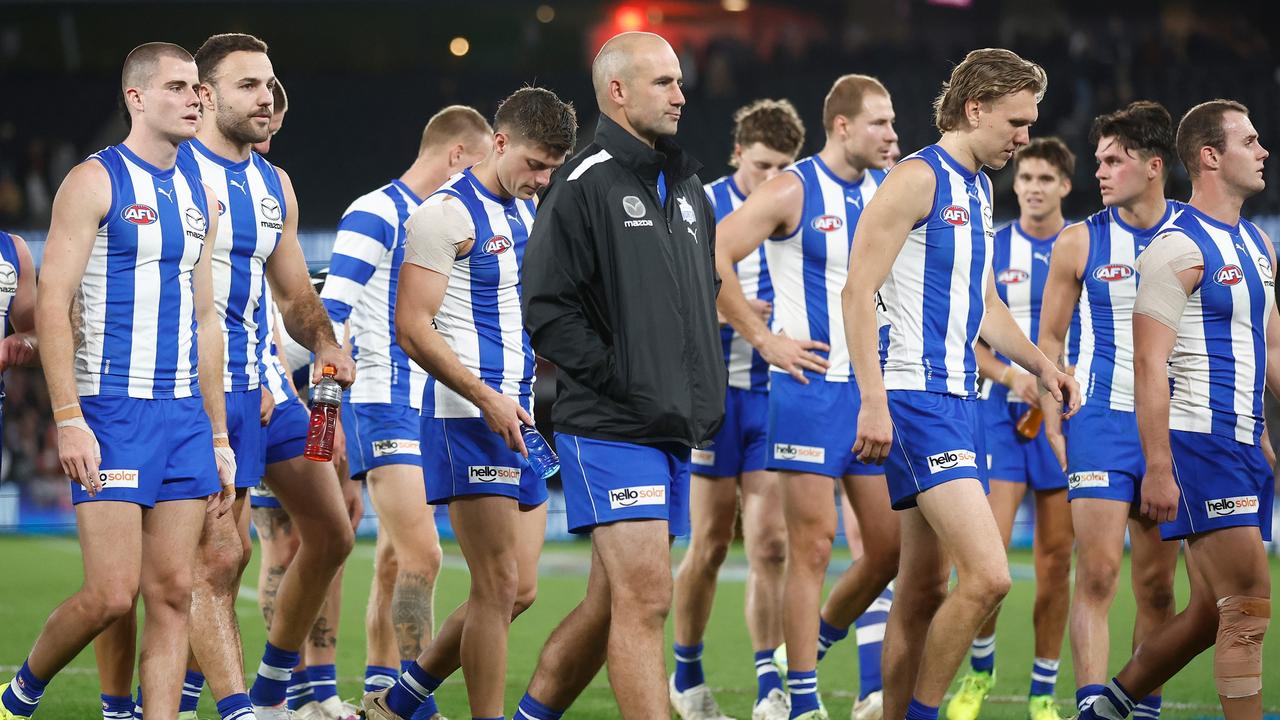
[324, 681]
[116, 707]
[24, 692]
[919, 711]
[828, 635]
[1113, 704]
[1085, 693]
[531, 709]
[1148, 709]
[688, 666]
[235, 707]
[137, 704]
[192, 686]
[982, 654]
[412, 688]
[377, 677]
[803, 688]
[272, 683]
[299, 691]
[1044, 676]
[427, 709]
[869, 634]
[767, 677]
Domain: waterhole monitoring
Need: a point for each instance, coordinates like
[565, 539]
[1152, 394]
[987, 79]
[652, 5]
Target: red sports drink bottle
[326, 397]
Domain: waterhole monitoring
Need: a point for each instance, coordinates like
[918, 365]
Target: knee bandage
[1237, 659]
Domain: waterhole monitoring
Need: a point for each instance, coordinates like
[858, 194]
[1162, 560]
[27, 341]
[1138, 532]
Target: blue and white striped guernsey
[934, 296]
[809, 266]
[251, 213]
[1109, 284]
[1218, 367]
[9, 269]
[480, 316]
[137, 310]
[361, 288]
[1021, 265]
[747, 369]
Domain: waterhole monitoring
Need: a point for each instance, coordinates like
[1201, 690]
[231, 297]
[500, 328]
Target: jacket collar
[630, 151]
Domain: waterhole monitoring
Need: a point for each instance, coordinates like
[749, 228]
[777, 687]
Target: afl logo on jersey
[1012, 276]
[222, 208]
[827, 223]
[955, 215]
[139, 214]
[498, 244]
[1113, 272]
[1229, 275]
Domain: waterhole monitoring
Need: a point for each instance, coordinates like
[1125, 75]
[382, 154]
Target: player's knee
[496, 583]
[223, 562]
[710, 550]
[770, 551]
[883, 565]
[1097, 580]
[987, 585]
[1155, 596]
[108, 604]
[424, 560]
[810, 550]
[525, 596]
[1237, 659]
[1053, 567]
[645, 597]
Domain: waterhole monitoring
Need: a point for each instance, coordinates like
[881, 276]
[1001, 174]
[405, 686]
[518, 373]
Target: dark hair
[985, 75]
[1051, 150]
[539, 116]
[279, 98]
[1201, 127]
[772, 123]
[139, 67]
[845, 97]
[455, 122]
[1142, 127]
[218, 47]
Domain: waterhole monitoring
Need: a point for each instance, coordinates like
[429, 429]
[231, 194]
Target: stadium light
[735, 5]
[459, 46]
[545, 14]
[629, 18]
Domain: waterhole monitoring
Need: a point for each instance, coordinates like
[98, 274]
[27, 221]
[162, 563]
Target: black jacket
[619, 292]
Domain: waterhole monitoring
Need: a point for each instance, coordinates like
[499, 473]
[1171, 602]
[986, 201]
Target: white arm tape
[433, 233]
[1161, 295]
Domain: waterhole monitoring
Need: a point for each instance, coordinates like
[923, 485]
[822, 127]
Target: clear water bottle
[326, 397]
[542, 459]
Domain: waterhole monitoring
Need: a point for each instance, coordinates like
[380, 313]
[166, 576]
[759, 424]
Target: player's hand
[333, 354]
[266, 406]
[1058, 443]
[1062, 387]
[875, 433]
[763, 308]
[80, 454]
[795, 356]
[504, 416]
[225, 459]
[1026, 387]
[17, 349]
[1159, 494]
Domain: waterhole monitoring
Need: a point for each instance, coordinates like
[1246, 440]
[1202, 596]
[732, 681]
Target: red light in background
[629, 18]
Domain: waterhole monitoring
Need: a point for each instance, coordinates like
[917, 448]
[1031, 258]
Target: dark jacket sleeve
[559, 268]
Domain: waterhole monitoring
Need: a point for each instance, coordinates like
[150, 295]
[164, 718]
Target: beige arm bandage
[1237, 655]
[433, 233]
[1161, 296]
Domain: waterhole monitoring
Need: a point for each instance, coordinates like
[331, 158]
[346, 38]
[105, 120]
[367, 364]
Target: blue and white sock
[1044, 676]
[192, 686]
[428, 708]
[1148, 708]
[803, 688]
[299, 691]
[982, 654]
[1086, 693]
[324, 681]
[869, 633]
[919, 711]
[272, 683]
[24, 692]
[688, 666]
[116, 707]
[235, 707]
[531, 709]
[767, 677]
[828, 635]
[377, 677]
[412, 688]
[137, 704]
[1113, 704]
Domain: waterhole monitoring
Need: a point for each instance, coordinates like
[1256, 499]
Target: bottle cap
[329, 371]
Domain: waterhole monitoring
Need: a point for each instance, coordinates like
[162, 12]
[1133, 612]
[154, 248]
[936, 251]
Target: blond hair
[985, 75]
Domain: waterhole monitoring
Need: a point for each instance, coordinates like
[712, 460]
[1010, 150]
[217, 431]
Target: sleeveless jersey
[1021, 266]
[1217, 371]
[934, 297]
[809, 267]
[137, 335]
[251, 212]
[361, 288]
[480, 316]
[747, 369]
[9, 269]
[1109, 285]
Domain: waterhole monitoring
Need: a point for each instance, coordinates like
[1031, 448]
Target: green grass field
[50, 570]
